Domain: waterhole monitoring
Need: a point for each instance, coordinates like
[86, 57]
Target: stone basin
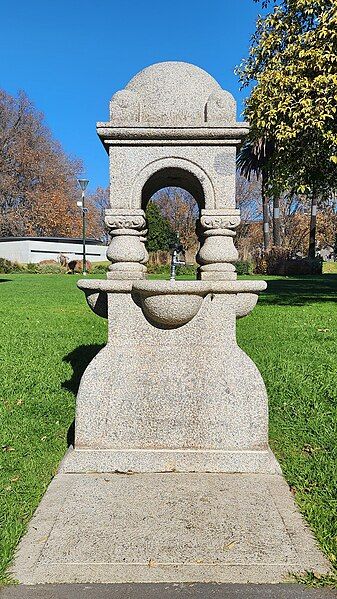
[171, 303]
[174, 303]
[96, 291]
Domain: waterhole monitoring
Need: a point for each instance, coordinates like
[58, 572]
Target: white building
[35, 249]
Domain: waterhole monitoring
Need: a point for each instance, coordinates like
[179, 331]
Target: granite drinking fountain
[171, 126]
[171, 399]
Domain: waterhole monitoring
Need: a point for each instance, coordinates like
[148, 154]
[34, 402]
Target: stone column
[126, 251]
[217, 252]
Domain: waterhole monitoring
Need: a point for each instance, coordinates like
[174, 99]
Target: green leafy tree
[160, 233]
[292, 65]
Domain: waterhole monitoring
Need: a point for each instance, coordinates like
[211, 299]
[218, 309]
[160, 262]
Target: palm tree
[254, 158]
[312, 230]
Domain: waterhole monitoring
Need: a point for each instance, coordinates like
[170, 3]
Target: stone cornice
[111, 134]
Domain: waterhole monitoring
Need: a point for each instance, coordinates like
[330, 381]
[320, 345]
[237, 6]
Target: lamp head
[83, 183]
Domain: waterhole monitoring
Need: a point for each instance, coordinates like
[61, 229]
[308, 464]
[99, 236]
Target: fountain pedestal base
[171, 391]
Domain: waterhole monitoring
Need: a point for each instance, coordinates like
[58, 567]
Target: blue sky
[71, 56]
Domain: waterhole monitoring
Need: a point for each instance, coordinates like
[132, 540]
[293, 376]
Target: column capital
[125, 219]
[220, 219]
[126, 251]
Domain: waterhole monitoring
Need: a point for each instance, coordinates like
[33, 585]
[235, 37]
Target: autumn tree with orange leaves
[38, 187]
[99, 201]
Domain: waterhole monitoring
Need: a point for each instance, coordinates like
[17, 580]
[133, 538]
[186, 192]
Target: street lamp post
[83, 184]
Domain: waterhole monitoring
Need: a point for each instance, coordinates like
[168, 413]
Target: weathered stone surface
[158, 387]
[170, 460]
[143, 590]
[96, 290]
[126, 251]
[176, 302]
[179, 129]
[181, 108]
[166, 527]
[220, 108]
[173, 94]
[171, 310]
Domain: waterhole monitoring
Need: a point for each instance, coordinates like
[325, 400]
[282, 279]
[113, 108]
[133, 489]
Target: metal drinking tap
[177, 259]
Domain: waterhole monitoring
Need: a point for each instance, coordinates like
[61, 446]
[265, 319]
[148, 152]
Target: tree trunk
[266, 234]
[276, 222]
[312, 236]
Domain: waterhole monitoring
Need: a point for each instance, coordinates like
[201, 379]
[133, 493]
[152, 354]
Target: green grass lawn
[330, 267]
[48, 335]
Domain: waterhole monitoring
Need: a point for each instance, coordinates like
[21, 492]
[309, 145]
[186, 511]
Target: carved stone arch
[173, 172]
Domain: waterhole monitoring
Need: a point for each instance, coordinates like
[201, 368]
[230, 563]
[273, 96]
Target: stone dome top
[172, 94]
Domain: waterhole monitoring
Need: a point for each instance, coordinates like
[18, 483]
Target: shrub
[99, 269]
[159, 258]
[50, 269]
[45, 267]
[7, 266]
[188, 270]
[158, 269]
[48, 262]
[304, 266]
[164, 269]
[278, 261]
[77, 266]
[32, 268]
[244, 267]
[161, 234]
[260, 265]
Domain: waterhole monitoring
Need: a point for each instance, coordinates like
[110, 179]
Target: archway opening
[172, 199]
[173, 177]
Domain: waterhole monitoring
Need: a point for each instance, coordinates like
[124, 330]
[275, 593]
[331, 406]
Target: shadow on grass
[79, 359]
[295, 291]
[5, 280]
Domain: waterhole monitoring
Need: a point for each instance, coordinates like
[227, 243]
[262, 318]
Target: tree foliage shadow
[79, 359]
[298, 291]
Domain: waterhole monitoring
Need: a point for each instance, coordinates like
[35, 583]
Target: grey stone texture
[166, 591]
[174, 125]
[172, 94]
[163, 395]
[172, 390]
[170, 527]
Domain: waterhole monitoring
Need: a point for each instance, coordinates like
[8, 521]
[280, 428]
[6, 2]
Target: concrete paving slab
[166, 591]
[172, 527]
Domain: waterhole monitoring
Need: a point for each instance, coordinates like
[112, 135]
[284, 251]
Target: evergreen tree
[160, 233]
[292, 104]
